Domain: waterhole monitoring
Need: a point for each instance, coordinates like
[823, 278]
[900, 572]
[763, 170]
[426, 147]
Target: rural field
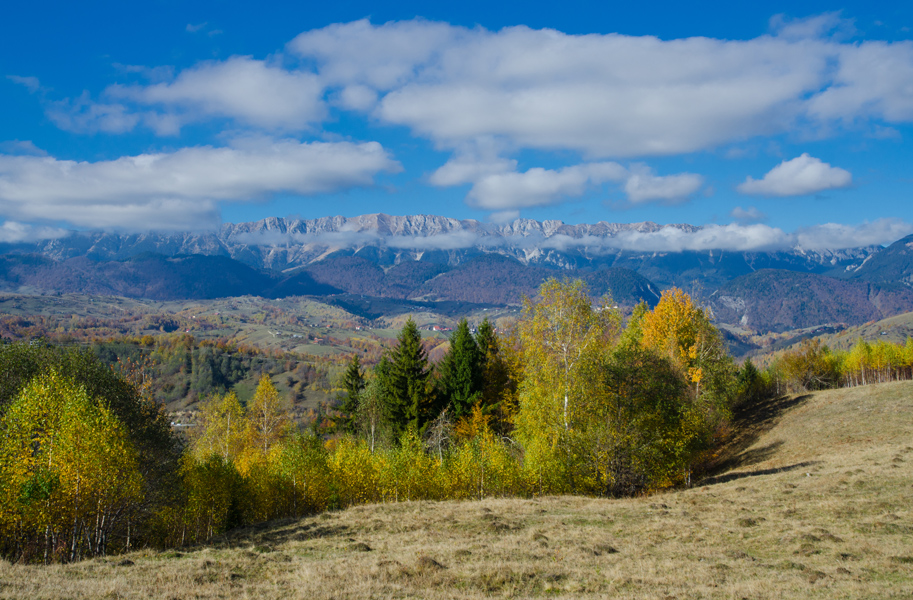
[815, 502]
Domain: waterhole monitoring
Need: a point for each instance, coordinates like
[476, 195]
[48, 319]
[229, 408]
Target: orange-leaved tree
[681, 331]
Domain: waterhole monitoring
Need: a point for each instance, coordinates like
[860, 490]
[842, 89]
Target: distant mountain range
[436, 259]
[277, 244]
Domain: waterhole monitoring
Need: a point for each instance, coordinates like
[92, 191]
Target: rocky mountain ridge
[278, 244]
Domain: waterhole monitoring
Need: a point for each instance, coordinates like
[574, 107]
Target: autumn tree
[682, 331]
[563, 339]
[640, 435]
[267, 423]
[812, 366]
[371, 417]
[221, 428]
[563, 335]
[145, 423]
[69, 475]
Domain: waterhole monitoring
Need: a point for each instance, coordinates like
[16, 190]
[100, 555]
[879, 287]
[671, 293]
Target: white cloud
[749, 215]
[84, 115]
[504, 216]
[21, 147]
[813, 27]
[498, 186]
[873, 80]
[540, 187]
[603, 96]
[382, 57]
[253, 92]
[643, 186]
[31, 83]
[182, 189]
[736, 238]
[800, 176]
[12, 232]
[611, 95]
[832, 236]
[468, 169]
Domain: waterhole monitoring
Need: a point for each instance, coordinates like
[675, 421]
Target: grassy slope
[816, 504]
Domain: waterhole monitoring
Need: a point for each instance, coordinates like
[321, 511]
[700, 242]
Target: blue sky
[759, 121]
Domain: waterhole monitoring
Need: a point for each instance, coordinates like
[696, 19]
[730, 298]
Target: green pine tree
[405, 380]
[353, 382]
[460, 383]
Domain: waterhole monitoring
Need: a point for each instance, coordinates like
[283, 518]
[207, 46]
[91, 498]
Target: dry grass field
[817, 503]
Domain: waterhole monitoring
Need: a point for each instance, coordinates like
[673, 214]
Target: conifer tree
[353, 383]
[461, 372]
[406, 381]
[498, 379]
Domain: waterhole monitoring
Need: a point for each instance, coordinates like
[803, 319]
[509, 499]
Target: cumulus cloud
[830, 236]
[468, 169]
[747, 215]
[252, 92]
[21, 147]
[872, 81]
[382, 57]
[643, 186]
[800, 176]
[608, 95]
[540, 187]
[498, 186]
[180, 190]
[12, 232]
[603, 96]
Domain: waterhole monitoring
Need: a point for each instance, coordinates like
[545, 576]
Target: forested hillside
[571, 399]
[778, 300]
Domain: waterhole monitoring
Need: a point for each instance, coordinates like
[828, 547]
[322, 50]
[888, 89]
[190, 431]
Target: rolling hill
[779, 300]
[486, 279]
[815, 504]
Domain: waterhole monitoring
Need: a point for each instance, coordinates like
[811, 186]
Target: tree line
[569, 399]
[814, 366]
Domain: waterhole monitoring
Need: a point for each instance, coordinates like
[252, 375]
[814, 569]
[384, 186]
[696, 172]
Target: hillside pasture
[816, 503]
